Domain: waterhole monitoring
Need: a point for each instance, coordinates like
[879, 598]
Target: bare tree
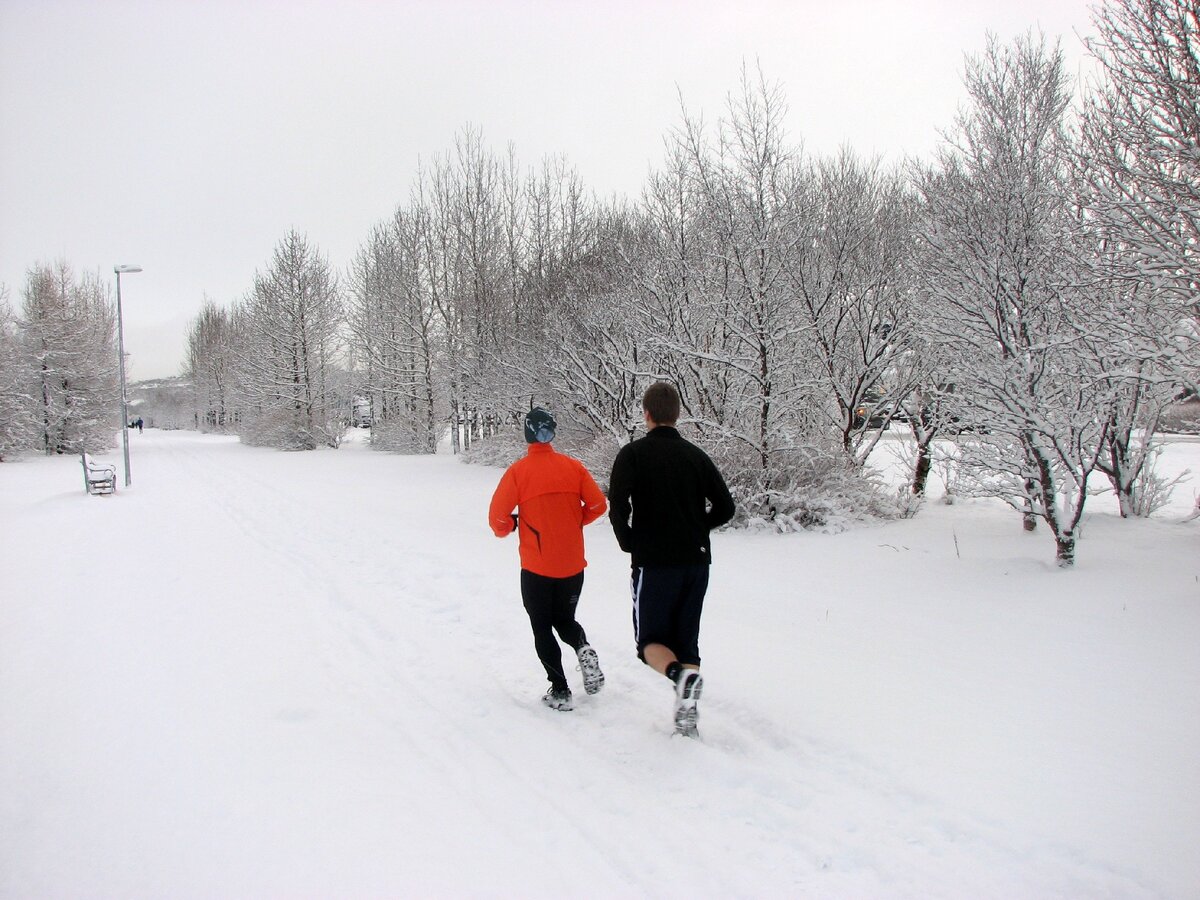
[467, 195]
[18, 426]
[69, 335]
[1141, 156]
[209, 364]
[1003, 288]
[731, 332]
[1122, 351]
[849, 279]
[1138, 177]
[288, 337]
[391, 316]
[585, 359]
[769, 293]
[664, 311]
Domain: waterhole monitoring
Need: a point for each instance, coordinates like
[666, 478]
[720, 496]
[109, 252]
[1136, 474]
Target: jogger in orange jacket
[555, 497]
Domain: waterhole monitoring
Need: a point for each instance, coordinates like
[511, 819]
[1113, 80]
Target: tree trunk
[921, 473]
[1126, 500]
[1029, 517]
[1066, 549]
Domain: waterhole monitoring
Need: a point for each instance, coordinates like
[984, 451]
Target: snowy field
[293, 675]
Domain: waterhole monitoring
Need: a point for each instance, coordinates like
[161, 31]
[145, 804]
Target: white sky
[188, 137]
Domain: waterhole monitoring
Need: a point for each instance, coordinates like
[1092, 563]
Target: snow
[266, 674]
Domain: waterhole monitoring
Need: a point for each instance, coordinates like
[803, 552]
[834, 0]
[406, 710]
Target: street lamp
[121, 359]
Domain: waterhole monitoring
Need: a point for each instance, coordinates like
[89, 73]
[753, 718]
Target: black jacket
[676, 497]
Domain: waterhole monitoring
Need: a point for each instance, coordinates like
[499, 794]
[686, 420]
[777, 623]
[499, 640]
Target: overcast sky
[189, 137]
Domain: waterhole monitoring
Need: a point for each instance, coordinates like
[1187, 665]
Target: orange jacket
[557, 497]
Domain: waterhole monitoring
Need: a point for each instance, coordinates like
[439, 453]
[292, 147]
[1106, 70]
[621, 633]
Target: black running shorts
[667, 602]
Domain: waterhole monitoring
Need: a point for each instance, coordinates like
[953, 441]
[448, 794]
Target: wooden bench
[98, 478]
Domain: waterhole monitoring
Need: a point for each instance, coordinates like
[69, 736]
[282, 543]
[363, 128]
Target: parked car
[870, 414]
[1182, 416]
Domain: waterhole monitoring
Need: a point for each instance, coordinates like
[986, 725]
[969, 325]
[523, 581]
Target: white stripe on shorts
[635, 585]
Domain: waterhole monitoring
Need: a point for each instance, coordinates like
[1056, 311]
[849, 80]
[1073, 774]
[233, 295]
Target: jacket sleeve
[592, 497]
[723, 506]
[620, 483]
[504, 501]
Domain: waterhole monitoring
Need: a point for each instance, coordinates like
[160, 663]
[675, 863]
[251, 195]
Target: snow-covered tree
[1141, 158]
[727, 321]
[849, 280]
[391, 316]
[470, 272]
[210, 366]
[17, 422]
[460, 302]
[761, 272]
[1002, 288]
[582, 356]
[1138, 180]
[1130, 369]
[288, 346]
[68, 333]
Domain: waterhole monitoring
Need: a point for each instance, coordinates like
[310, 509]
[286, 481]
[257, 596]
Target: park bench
[98, 478]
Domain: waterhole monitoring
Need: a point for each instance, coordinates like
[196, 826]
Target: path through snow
[308, 675]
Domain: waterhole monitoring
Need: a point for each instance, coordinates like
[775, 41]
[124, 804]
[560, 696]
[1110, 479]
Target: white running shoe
[687, 691]
[589, 665]
[559, 698]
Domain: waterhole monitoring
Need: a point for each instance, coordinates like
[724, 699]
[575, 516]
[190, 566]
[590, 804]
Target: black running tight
[551, 604]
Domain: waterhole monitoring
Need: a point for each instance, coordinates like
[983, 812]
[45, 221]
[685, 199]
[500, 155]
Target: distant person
[665, 496]
[555, 497]
[139, 423]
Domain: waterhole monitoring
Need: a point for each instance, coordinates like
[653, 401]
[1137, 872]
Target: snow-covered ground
[265, 674]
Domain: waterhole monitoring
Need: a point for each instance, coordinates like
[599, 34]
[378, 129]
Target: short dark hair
[661, 401]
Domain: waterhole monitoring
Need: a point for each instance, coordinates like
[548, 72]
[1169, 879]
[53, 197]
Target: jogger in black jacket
[665, 496]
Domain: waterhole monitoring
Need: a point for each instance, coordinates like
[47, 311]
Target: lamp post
[121, 360]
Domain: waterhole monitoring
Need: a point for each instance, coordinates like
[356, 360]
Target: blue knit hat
[539, 426]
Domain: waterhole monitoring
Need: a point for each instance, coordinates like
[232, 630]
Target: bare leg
[687, 689]
[659, 656]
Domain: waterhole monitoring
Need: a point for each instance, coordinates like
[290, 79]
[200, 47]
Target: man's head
[539, 426]
[661, 403]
